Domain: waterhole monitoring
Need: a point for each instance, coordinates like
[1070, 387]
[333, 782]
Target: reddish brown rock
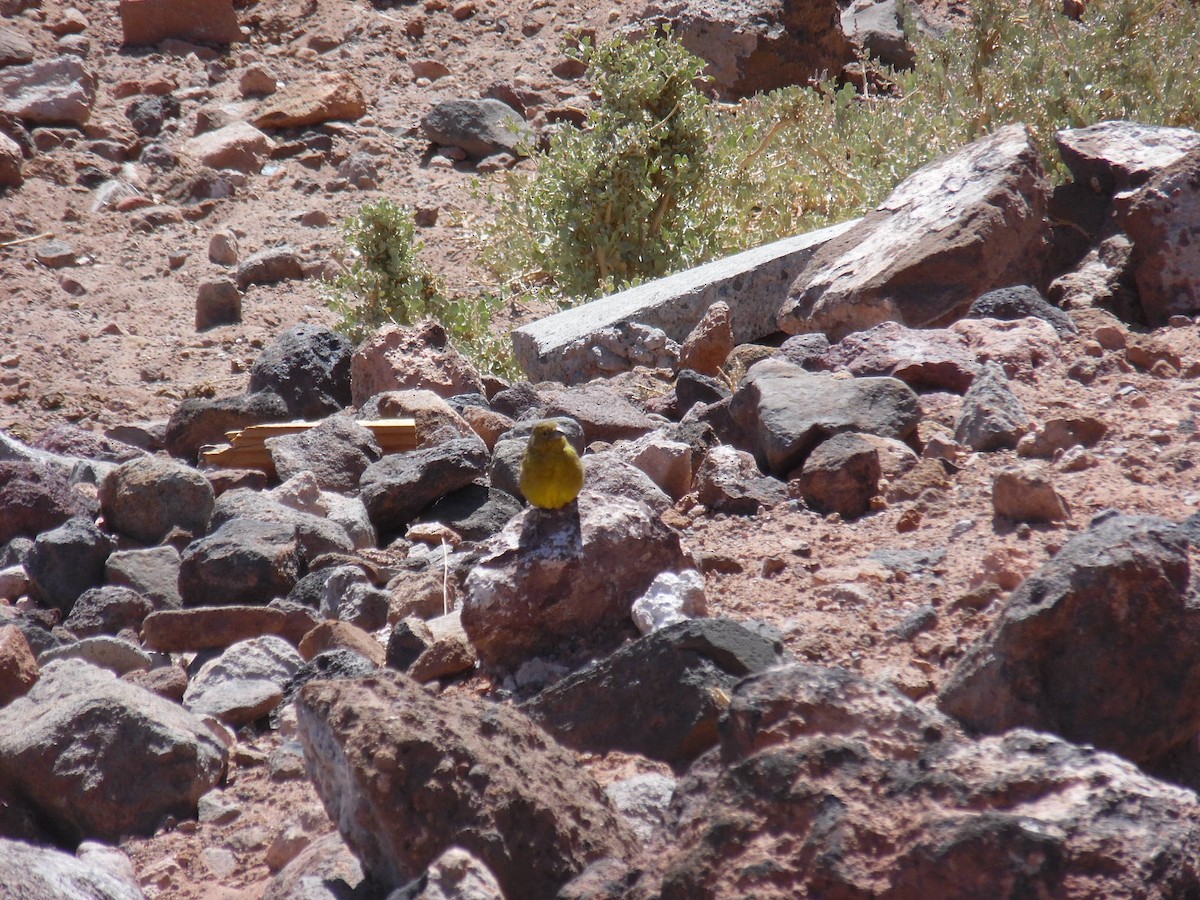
[487, 423]
[238, 146]
[298, 105]
[11, 162]
[406, 774]
[826, 785]
[18, 668]
[549, 576]
[710, 342]
[1026, 494]
[396, 358]
[841, 476]
[1062, 433]
[205, 21]
[208, 627]
[450, 653]
[754, 46]
[332, 635]
[166, 681]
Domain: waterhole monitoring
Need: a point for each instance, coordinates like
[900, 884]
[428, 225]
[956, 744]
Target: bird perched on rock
[551, 470]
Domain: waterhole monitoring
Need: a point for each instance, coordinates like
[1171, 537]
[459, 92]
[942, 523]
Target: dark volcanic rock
[199, 421]
[243, 561]
[1050, 660]
[787, 411]
[66, 561]
[308, 366]
[659, 696]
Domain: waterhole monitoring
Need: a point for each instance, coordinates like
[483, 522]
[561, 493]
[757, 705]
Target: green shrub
[659, 179]
[624, 198]
[385, 282]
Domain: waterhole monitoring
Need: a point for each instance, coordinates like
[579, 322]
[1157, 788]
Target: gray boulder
[877, 27]
[100, 758]
[315, 534]
[787, 411]
[841, 475]
[480, 127]
[991, 416]
[245, 682]
[475, 512]
[1116, 155]
[337, 451]
[148, 497]
[57, 91]
[66, 561]
[107, 610]
[198, 421]
[30, 872]
[1020, 815]
[152, 572]
[1019, 302]
[399, 487]
[243, 561]
[349, 596]
[660, 696]
[600, 410]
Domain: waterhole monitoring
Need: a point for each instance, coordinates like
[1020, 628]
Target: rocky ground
[101, 334]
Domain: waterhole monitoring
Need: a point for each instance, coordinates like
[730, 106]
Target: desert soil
[112, 341]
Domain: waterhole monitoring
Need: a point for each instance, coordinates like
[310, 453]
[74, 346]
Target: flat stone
[558, 347]
[207, 627]
[1118, 155]
[203, 21]
[297, 105]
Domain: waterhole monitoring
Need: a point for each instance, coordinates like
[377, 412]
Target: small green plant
[624, 198]
[386, 282]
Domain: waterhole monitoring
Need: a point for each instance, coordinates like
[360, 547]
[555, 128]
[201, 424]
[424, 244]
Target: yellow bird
[551, 471]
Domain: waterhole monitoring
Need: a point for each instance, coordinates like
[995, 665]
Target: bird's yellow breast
[551, 475]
